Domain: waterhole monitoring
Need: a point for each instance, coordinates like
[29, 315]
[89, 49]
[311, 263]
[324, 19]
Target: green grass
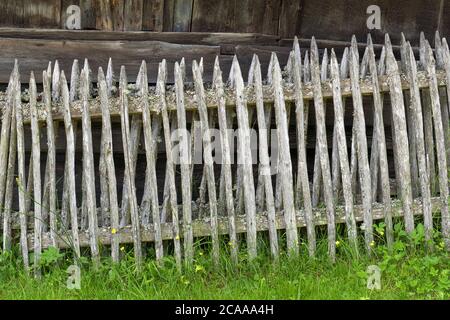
[409, 271]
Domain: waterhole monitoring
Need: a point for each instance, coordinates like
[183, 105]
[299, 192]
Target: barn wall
[328, 19]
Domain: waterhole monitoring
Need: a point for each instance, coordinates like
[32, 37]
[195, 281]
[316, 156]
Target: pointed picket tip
[325, 54]
[251, 71]
[64, 90]
[382, 62]
[387, 40]
[437, 38]
[84, 85]
[402, 39]
[324, 66]
[269, 70]
[101, 75]
[276, 63]
[62, 76]
[55, 80]
[14, 74]
[110, 72]
[410, 53]
[295, 43]
[86, 64]
[217, 62]
[333, 55]
[200, 65]
[369, 39]
[314, 49]
[306, 68]
[231, 75]
[32, 88]
[195, 66]
[139, 77]
[16, 66]
[429, 54]
[143, 68]
[364, 62]
[237, 74]
[334, 65]
[182, 66]
[75, 63]
[49, 67]
[162, 71]
[297, 51]
[123, 77]
[216, 70]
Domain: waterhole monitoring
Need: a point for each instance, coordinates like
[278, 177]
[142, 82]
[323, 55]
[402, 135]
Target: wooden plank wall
[325, 19]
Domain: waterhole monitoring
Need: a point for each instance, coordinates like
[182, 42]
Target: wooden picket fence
[350, 174]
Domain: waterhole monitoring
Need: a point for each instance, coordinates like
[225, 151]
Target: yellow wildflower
[122, 248]
[113, 230]
[199, 268]
[177, 237]
[338, 243]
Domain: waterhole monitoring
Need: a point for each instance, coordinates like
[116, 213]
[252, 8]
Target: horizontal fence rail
[324, 141]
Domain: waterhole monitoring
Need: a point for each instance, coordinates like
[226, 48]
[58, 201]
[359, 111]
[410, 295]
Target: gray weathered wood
[135, 134]
[150, 136]
[36, 177]
[7, 240]
[323, 146]
[226, 160]
[380, 145]
[185, 166]
[202, 228]
[419, 140]
[342, 149]
[21, 183]
[335, 162]
[208, 159]
[440, 145]
[129, 168]
[170, 171]
[88, 168]
[264, 160]
[361, 147]
[302, 176]
[5, 132]
[401, 135]
[109, 168]
[246, 160]
[285, 163]
[69, 170]
[51, 156]
[317, 177]
[410, 123]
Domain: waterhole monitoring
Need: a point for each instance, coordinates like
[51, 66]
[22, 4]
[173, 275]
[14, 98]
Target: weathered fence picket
[171, 196]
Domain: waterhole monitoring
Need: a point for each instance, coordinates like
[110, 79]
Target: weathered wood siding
[328, 19]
